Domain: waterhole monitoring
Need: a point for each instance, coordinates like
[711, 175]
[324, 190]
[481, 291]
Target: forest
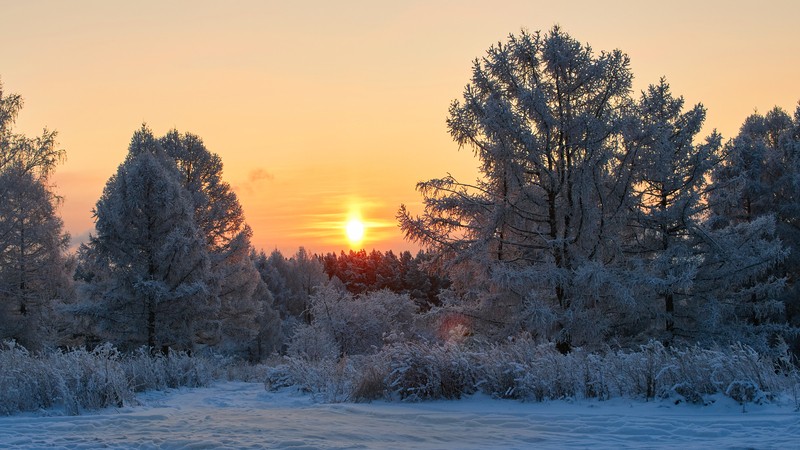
[607, 249]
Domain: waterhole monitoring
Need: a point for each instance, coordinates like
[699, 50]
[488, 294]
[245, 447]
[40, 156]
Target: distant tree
[34, 266]
[292, 282]
[362, 272]
[146, 273]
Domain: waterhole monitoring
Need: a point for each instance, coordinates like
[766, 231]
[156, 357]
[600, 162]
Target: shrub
[529, 371]
[418, 371]
[76, 380]
[80, 379]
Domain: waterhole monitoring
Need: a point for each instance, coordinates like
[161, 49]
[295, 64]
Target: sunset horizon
[318, 111]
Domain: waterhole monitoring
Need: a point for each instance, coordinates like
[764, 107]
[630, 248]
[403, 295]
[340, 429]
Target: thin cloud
[255, 179]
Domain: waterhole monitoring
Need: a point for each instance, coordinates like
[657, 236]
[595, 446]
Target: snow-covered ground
[244, 415]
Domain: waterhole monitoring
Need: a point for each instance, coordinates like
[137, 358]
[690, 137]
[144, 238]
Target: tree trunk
[151, 327]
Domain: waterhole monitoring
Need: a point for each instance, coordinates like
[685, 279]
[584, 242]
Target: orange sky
[320, 108]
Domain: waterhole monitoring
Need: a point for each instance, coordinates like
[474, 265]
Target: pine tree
[147, 270]
[292, 281]
[34, 268]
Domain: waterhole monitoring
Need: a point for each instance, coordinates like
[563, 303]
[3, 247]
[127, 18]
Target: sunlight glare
[355, 230]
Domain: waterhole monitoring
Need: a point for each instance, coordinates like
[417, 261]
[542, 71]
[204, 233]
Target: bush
[744, 392]
[370, 382]
[148, 371]
[357, 324]
[525, 370]
[328, 380]
[80, 379]
[418, 371]
[76, 380]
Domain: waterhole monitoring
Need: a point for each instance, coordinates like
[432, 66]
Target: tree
[542, 114]
[589, 220]
[667, 205]
[760, 177]
[292, 282]
[38, 156]
[34, 267]
[244, 304]
[147, 271]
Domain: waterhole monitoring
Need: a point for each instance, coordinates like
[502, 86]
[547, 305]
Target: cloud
[258, 175]
[255, 178]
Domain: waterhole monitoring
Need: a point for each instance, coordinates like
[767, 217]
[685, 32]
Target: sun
[355, 231]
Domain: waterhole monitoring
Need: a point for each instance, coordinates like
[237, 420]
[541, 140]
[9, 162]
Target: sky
[323, 111]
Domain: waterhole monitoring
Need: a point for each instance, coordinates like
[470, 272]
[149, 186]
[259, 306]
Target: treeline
[363, 272]
[297, 280]
[600, 219]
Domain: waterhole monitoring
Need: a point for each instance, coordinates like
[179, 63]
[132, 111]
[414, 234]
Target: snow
[240, 415]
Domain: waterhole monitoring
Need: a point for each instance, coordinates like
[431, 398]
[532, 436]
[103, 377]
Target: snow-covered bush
[328, 380]
[90, 379]
[147, 371]
[526, 370]
[420, 371]
[744, 392]
[359, 323]
[313, 343]
[370, 382]
[76, 380]
[696, 372]
[80, 379]
[25, 382]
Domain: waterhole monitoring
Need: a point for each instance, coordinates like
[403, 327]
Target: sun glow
[354, 230]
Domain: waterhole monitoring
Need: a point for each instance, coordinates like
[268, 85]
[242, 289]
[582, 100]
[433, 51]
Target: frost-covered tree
[700, 280]
[292, 282]
[244, 305]
[667, 206]
[34, 266]
[760, 176]
[543, 115]
[146, 273]
[589, 220]
[38, 155]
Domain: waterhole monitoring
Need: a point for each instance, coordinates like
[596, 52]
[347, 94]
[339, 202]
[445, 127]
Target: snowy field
[244, 415]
